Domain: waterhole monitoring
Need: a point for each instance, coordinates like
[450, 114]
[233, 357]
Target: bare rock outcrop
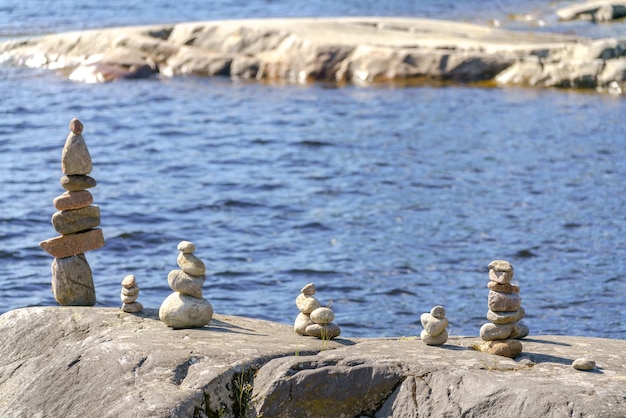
[83, 361]
[339, 50]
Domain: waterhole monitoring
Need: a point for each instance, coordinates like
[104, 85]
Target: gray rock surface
[79, 361]
[351, 49]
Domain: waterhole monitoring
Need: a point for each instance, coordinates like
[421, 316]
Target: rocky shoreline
[85, 361]
[357, 50]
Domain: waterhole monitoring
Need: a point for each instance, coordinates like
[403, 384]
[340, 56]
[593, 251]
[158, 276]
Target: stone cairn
[501, 334]
[76, 221]
[314, 320]
[129, 295]
[186, 308]
[434, 323]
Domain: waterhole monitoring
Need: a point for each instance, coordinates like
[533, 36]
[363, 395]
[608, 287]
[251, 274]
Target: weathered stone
[129, 281]
[323, 331]
[68, 245]
[584, 364]
[190, 264]
[308, 289]
[302, 321]
[307, 304]
[433, 326]
[77, 182]
[438, 339]
[438, 312]
[186, 247]
[503, 288]
[150, 370]
[182, 311]
[506, 348]
[307, 386]
[490, 332]
[322, 315]
[76, 220]
[72, 281]
[75, 159]
[503, 302]
[133, 307]
[186, 284]
[500, 271]
[505, 317]
[73, 200]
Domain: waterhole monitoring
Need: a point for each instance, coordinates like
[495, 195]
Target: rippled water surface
[390, 199]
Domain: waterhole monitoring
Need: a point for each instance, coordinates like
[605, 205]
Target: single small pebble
[129, 281]
[186, 247]
[308, 289]
[438, 312]
[583, 364]
[76, 126]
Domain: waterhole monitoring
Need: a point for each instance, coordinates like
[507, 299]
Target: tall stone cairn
[76, 220]
[501, 334]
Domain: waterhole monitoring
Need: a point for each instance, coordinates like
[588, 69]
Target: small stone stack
[76, 221]
[129, 295]
[434, 323]
[501, 334]
[313, 319]
[186, 307]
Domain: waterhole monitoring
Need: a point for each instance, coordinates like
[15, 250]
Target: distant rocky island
[357, 50]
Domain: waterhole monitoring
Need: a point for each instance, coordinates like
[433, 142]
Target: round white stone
[307, 304]
[322, 316]
[186, 247]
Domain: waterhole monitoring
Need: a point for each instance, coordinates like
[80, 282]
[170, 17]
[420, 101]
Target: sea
[390, 198]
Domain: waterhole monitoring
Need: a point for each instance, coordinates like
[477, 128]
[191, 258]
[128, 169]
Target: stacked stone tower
[502, 332]
[314, 319]
[76, 220]
[186, 307]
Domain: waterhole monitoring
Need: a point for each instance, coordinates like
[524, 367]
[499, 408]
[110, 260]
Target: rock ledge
[81, 361]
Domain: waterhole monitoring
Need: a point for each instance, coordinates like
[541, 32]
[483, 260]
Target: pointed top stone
[308, 289]
[76, 126]
[75, 159]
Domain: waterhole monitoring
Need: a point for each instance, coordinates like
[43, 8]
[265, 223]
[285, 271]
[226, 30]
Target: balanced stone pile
[434, 323]
[129, 295]
[76, 221]
[501, 334]
[186, 308]
[314, 319]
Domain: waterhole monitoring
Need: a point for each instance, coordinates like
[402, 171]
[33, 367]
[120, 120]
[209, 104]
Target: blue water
[390, 199]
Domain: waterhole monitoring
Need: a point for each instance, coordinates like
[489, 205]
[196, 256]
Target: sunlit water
[391, 200]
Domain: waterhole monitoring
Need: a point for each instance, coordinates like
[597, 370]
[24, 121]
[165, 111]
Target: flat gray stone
[75, 183]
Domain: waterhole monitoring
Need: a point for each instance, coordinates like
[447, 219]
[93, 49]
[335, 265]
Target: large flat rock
[354, 49]
[81, 361]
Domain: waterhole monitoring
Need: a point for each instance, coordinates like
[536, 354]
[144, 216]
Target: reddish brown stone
[504, 288]
[69, 245]
[73, 200]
